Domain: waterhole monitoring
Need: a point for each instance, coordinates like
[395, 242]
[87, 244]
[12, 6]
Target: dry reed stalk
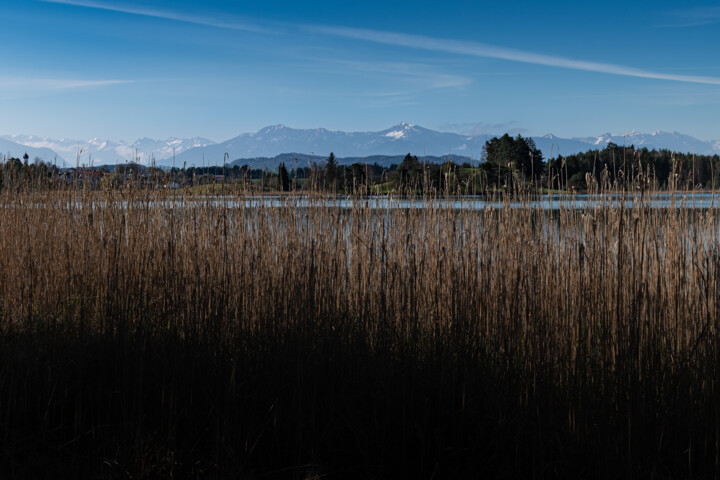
[595, 314]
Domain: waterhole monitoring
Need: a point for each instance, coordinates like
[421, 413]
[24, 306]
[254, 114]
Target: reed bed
[144, 334]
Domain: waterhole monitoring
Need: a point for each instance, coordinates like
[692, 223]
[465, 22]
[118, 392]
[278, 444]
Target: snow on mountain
[551, 145]
[9, 147]
[278, 139]
[106, 152]
[674, 141]
[396, 140]
[403, 138]
[402, 130]
[396, 134]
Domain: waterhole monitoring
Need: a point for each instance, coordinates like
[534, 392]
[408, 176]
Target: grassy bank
[138, 340]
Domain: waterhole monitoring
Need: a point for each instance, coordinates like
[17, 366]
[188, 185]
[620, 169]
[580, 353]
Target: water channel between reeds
[679, 200]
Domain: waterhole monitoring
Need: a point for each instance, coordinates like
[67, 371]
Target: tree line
[16, 173]
[507, 164]
[626, 166]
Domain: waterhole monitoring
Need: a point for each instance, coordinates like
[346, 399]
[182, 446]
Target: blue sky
[123, 69]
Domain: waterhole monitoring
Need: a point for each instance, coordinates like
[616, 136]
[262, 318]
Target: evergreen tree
[409, 174]
[331, 172]
[283, 179]
[519, 154]
[357, 170]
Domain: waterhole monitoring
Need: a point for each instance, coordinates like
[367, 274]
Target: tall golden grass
[150, 334]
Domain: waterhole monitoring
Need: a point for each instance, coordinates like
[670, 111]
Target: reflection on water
[546, 202]
[700, 201]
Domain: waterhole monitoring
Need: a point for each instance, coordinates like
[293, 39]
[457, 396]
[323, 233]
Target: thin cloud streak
[693, 17]
[490, 51]
[414, 41]
[25, 83]
[482, 128]
[426, 76]
[162, 14]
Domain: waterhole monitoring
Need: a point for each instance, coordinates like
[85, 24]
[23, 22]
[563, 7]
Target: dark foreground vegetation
[141, 338]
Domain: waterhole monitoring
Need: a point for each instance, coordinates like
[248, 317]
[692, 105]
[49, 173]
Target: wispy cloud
[49, 84]
[692, 17]
[490, 51]
[21, 87]
[376, 84]
[232, 24]
[421, 76]
[482, 128]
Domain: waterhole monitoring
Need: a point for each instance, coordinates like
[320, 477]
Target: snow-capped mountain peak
[396, 134]
[402, 130]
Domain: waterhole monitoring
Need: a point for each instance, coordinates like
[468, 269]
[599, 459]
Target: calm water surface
[701, 201]
[554, 202]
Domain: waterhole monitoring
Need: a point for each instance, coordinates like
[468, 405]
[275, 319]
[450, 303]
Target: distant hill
[292, 160]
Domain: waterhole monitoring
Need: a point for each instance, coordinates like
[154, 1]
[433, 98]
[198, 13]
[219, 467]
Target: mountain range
[69, 152]
[275, 140]
[9, 149]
